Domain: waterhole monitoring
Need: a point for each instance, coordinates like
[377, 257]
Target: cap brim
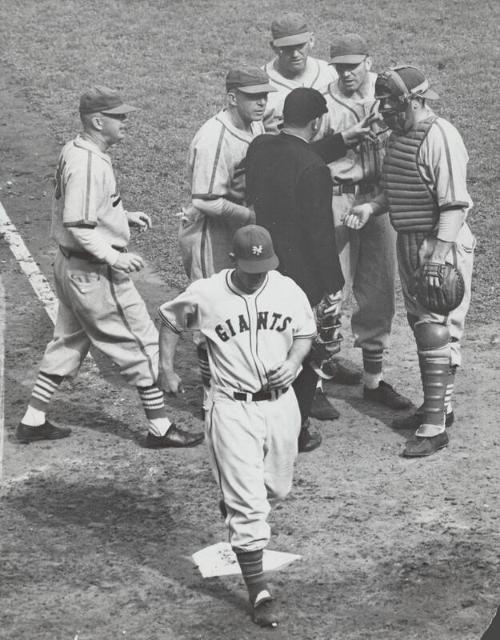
[257, 88]
[354, 58]
[430, 94]
[123, 108]
[288, 41]
[258, 266]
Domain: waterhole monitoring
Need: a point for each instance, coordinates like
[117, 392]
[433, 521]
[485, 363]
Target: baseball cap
[404, 82]
[303, 105]
[100, 99]
[253, 249]
[248, 80]
[289, 29]
[349, 48]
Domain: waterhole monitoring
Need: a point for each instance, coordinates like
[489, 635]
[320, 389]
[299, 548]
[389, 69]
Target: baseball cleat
[420, 447]
[308, 441]
[321, 408]
[47, 431]
[265, 611]
[342, 371]
[414, 420]
[174, 438]
[385, 394]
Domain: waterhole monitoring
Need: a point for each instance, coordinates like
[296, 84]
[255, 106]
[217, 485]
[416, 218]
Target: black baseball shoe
[265, 610]
[47, 431]
[414, 420]
[343, 371]
[385, 394]
[322, 408]
[174, 438]
[308, 441]
[421, 447]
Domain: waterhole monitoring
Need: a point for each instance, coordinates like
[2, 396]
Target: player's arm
[224, 209]
[335, 145]
[92, 241]
[285, 373]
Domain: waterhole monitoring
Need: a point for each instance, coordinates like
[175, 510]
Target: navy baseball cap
[303, 105]
[253, 249]
[100, 99]
[290, 29]
[248, 80]
[349, 48]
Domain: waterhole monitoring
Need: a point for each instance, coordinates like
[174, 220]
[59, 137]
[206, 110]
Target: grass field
[170, 58]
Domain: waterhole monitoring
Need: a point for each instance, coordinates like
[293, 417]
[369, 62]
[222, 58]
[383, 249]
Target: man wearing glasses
[98, 302]
[292, 66]
[367, 255]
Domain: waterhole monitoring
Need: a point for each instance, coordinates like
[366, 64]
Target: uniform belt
[273, 394]
[353, 187]
[85, 255]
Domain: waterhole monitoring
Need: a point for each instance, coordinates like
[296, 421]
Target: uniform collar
[89, 145]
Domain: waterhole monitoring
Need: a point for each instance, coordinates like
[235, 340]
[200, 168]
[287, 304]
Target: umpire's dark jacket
[289, 185]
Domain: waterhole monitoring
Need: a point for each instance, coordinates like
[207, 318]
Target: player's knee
[431, 335]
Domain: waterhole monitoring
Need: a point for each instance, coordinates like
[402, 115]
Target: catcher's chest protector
[412, 207]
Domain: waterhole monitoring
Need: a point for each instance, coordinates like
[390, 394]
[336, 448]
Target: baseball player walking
[293, 66]
[216, 171]
[258, 326]
[424, 179]
[98, 302]
[367, 255]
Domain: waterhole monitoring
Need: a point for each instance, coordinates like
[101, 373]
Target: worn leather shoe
[342, 371]
[321, 408]
[265, 612]
[414, 420]
[308, 441]
[385, 394]
[175, 437]
[420, 447]
[47, 431]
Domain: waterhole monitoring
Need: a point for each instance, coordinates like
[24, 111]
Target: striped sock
[372, 368]
[45, 386]
[251, 569]
[154, 408]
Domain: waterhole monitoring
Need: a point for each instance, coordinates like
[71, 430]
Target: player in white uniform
[98, 302]
[259, 326]
[425, 189]
[368, 255]
[292, 66]
[217, 175]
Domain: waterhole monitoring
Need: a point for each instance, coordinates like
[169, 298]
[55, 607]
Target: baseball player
[216, 172]
[98, 302]
[424, 180]
[292, 66]
[367, 255]
[259, 327]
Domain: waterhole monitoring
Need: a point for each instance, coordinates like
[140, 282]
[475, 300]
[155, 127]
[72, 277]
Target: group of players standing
[315, 181]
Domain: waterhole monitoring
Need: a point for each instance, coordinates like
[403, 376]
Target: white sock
[371, 380]
[33, 417]
[159, 426]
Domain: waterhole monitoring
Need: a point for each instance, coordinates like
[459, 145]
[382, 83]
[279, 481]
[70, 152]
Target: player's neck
[96, 138]
[238, 121]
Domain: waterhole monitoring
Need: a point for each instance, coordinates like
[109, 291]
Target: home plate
[220, 560]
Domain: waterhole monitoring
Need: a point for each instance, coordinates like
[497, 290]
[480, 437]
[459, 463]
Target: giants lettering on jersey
[266, 321]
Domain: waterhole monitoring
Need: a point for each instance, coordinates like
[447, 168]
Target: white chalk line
[2, 353]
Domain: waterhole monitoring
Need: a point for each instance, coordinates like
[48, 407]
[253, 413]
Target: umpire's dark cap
[100, 99]
[250, 80]
[303, 105]
[253, 249]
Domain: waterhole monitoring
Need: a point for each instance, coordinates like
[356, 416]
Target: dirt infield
[96, 531]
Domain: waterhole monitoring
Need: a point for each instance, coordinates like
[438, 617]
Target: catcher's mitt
[443, 298]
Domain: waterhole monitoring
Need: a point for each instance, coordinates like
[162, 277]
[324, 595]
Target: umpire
[289, 186]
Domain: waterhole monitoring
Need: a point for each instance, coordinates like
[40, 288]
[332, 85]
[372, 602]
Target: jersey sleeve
[181, 313]
[210, 172]
[305, 325]
[80, 182]
[444, 159]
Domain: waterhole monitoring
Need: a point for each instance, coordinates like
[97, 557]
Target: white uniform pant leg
[252, 448]
[465, 245]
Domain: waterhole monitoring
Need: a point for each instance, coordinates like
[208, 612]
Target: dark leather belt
[259, 395]
[85, 255]
[352, 187]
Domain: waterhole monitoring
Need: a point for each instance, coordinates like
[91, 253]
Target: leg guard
[434, 357]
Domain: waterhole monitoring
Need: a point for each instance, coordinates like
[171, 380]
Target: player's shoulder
[284, 284]
[443, 132]
[79, 149]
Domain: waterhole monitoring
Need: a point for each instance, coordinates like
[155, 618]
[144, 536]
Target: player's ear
[96, 122]
[368, 62]
[231, 98]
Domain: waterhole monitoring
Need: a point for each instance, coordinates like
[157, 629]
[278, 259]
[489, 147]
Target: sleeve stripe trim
[168, 324]
[87, 224]
[217, 156]
[454, 205]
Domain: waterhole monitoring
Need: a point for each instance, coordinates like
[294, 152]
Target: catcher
[424, 180]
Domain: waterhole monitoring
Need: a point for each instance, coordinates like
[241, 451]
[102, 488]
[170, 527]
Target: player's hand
[251, 215]
[361, 131]
[358, 216]
[186, 213]
[170, 382]
[139, 219]
[129, 262]
[282, 375]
